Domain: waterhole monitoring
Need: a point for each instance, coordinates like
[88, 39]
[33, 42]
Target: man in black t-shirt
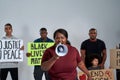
[93, 46]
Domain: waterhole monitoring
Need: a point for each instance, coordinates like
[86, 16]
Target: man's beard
[93, 38]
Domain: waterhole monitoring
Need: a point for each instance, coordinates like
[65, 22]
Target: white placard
[10, 50]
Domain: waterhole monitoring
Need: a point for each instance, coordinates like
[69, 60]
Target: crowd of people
[55, 67]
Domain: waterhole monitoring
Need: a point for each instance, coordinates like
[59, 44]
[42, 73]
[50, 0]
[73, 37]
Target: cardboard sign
[115, 58]
[37, 50]
[103, 74]
[10, 50]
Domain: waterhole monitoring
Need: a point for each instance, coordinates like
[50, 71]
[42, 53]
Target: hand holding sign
[28, 54]
[22, 48]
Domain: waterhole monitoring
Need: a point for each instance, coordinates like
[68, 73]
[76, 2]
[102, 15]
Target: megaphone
[61, 49]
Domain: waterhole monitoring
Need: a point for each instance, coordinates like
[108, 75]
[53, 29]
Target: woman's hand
[56, 57]
[89, 77]
[45, 66]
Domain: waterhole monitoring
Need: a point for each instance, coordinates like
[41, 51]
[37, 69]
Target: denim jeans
[38, 73]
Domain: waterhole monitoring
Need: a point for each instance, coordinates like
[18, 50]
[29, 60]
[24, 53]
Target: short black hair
[43, 29]
[8, 24]
[68, 42]
[62, 31]
[92, 57]
[92, 29]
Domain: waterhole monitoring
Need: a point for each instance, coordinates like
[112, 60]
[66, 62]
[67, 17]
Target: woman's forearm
[45, 66]
[81, 65]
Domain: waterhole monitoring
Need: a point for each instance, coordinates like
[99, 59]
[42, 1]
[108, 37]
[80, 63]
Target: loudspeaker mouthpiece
[61, 49]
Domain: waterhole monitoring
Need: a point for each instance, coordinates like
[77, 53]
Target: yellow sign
[36, 50]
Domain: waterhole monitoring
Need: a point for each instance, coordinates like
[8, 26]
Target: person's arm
[82, 67]
[103, 58]
[82, 55]
[45, 66]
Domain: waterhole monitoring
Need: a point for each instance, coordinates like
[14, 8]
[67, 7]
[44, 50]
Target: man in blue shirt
[38, 73]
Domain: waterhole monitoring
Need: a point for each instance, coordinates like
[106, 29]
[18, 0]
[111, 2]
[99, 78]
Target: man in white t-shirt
[11, 67]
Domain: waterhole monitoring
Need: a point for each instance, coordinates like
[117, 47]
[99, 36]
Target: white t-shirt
[9, 64]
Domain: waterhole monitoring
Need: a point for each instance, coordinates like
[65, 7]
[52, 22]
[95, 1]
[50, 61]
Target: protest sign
[103, 74]
[36, 50]
[10, 50]
[115, 58]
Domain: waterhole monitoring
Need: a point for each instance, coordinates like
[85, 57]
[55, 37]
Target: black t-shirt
[92, 48]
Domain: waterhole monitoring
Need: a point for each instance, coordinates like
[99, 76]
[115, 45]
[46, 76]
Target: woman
[62, 67]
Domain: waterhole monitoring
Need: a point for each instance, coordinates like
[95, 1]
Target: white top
[8, 64]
